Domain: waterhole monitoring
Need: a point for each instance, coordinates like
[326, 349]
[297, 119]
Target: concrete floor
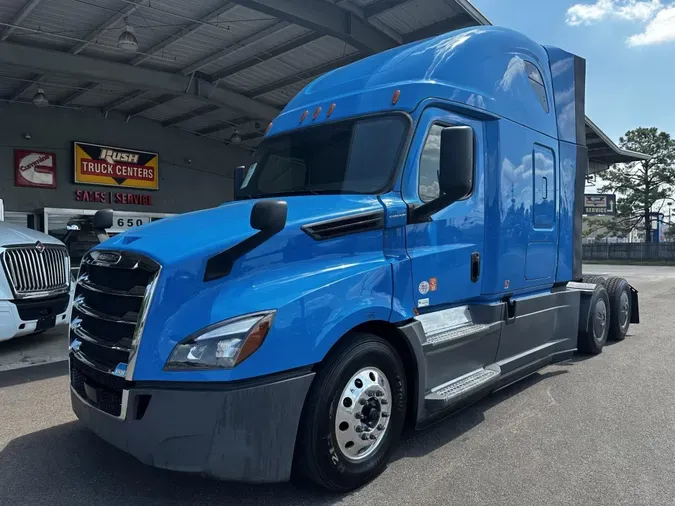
[35, 349]
[591, 431]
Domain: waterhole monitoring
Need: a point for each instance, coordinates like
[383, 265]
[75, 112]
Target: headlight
[222, 345]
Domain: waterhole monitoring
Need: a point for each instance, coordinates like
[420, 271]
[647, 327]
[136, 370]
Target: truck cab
[407, 240]
[35, 282]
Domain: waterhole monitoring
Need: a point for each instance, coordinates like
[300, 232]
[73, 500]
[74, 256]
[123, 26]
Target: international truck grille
[113, 290]
[37, 270]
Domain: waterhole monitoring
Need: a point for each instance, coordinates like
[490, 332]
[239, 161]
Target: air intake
[338, 227]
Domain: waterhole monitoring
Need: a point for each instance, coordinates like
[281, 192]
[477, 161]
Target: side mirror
[455, 174]
[103, 219]
[239, 173]
[269, 216]
[455, 177]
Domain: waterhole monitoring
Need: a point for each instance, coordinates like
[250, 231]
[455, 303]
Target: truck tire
[596, 280]
[354, 414]
[618, 290]
[594, 318]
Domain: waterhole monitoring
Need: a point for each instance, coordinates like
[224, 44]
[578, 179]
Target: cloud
[630, 10]
[661, 29]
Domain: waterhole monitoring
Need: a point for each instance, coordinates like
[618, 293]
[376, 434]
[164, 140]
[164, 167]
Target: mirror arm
[423, 213]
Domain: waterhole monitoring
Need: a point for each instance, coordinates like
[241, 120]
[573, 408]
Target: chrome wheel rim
[362, 415]
[600, 320]
[624, 310]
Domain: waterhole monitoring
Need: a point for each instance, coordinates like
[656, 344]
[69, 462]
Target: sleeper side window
[537, 83]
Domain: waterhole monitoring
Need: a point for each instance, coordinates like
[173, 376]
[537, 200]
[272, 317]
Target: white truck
[35, 281]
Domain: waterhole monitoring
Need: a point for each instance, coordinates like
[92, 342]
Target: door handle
[545, 182]
[475, 266]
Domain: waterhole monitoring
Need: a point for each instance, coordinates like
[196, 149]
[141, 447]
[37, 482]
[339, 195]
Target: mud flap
[634, 306]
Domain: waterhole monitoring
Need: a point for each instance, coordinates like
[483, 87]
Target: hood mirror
[103, 220]
[269, 216]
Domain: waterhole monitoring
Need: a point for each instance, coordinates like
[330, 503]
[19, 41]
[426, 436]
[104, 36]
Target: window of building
[537, 83]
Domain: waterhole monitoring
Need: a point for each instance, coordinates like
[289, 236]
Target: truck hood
[11, 234]
[208, 232]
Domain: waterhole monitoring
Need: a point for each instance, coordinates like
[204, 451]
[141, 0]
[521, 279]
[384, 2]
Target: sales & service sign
[110, 166]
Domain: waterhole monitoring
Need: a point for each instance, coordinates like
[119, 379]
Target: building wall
[194, 172]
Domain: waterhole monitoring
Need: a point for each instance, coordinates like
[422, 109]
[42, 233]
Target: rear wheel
[596, 280]
[354, 414]
[618, 290]
[595, 327]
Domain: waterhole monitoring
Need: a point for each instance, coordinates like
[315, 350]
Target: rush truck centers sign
[110, 166]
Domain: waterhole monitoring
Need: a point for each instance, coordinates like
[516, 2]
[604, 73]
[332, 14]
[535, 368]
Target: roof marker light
[268, 128]
[304, 116]
[394, 99]
[330, 110]
[316, 113]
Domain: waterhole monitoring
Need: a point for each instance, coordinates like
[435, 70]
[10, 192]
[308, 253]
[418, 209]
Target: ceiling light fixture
[39, 99]
[236, 138]
[127, 40]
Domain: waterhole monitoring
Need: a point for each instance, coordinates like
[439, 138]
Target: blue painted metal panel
[510, 224]
[441, 249]
[568, 169]
[481, 67]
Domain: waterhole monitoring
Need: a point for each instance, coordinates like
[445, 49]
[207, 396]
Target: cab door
[446, 252]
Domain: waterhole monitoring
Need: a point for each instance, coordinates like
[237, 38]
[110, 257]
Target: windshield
[354, 156]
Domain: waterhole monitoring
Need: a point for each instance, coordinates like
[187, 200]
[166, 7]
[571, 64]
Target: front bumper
[15, 321]
[241, 433]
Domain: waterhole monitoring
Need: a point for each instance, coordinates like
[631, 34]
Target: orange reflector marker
[394, 99]
[268, 128]
[316, 113]
[304, 116]
[330, 110]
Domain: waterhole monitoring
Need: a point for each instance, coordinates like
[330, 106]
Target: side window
[537, 82]
[429, 165]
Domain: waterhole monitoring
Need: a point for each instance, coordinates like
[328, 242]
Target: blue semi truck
[407, 241]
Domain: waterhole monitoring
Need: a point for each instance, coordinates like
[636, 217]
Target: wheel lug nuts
[358, 416]
[378, 393]
[380, 427]
[373, 436]
[384, 402]
[364, 437]
[385, 414]
[358, 428]
[362, 402]
[370, 393]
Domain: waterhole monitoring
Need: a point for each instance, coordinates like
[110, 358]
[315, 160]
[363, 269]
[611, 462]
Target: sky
[629, 46]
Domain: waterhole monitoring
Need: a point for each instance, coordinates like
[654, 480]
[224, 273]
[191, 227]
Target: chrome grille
[37, 270]
[112, 294]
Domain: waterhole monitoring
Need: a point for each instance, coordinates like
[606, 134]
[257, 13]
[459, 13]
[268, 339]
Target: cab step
[460, 388]
[457, 333]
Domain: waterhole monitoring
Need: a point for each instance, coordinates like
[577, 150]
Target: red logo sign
[139, 199]
[34, 169]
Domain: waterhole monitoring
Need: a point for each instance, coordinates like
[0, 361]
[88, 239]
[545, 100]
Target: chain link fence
[630, 252]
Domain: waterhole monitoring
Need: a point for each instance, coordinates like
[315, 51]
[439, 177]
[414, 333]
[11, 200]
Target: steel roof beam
[130, 97]
[189, 115]
[163, 99]
[184, 32]
[447, 25]
[51, 62]
[231, 48]
[325, 19]
[224, 125]
[268, 55]
[302, 75]
[381, 6]
[24, 87]
[78, 93]
[18, 19]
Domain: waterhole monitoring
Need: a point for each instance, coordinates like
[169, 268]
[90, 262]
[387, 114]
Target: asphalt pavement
[594, 430]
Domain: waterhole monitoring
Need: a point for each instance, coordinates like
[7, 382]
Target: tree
[642, 184]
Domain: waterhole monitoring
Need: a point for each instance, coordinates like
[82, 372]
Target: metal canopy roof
[209, 66]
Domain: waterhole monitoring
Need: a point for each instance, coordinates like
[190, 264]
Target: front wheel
[354, 414]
